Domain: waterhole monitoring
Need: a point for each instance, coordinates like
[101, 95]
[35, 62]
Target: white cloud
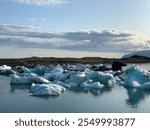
[40, 2]
[108, 40]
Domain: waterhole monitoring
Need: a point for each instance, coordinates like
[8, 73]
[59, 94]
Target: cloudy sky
[73, 28]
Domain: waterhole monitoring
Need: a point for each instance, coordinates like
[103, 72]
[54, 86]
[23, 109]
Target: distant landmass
[145, 53]
[33, 61]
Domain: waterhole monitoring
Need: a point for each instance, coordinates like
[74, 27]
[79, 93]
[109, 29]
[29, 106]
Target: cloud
[40, 2]
[108, 40]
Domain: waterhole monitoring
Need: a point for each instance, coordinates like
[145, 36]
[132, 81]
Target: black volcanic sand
[33, 61]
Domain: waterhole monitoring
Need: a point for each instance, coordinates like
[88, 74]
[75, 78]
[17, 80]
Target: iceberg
[37, 79]
[137, 77]
[46, 89]
[57, 73]
[102, 77]
[145, 86]
[16, 79]
[39, 70]
[27, 78]
[6, 70]
[54, 76]
[78, 78]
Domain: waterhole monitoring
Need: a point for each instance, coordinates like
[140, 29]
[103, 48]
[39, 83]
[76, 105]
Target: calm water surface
[117, 99]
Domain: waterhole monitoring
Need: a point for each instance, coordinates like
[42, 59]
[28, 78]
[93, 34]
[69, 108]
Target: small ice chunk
[6, 70]
[46, 89]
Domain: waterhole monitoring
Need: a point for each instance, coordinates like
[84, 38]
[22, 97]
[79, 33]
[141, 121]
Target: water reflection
[19, 87]
[136, 96]
[95, 92]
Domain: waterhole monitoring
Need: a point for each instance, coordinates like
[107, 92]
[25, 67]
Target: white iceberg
[46, 89]
[6, 70]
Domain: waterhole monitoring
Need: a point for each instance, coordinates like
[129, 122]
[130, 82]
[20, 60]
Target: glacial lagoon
[118, 99]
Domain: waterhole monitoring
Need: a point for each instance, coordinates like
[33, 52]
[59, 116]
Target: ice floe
[46, 89]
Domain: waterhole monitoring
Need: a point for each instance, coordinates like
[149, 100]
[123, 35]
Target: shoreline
[33, 61]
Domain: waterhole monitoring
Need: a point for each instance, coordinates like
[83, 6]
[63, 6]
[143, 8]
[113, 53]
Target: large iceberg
[137, 77]
[46, 89]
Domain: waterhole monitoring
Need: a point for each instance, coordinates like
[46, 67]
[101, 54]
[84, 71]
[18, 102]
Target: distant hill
[33, 61]
[144, 53]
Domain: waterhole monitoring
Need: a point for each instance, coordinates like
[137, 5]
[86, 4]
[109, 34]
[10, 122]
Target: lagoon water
[118, 99]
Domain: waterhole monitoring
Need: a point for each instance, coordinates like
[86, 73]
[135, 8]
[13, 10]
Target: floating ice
[37, 79]
[28, 78]
[145, 86]
[6, 70]
[78, 78]
[57, 73]
[137, 77]
[101, 77]
[16, 79]
[40, 70]
[46, 89]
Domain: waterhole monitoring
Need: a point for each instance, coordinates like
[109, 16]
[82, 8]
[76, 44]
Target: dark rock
[117, 65]
[101, 68]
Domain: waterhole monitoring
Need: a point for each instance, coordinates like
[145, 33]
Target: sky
[73, 28]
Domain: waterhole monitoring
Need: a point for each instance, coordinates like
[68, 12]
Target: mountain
[145, 53]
